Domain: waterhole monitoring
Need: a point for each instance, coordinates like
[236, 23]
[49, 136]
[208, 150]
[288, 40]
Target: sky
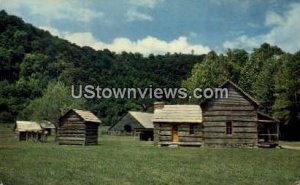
[161, 26]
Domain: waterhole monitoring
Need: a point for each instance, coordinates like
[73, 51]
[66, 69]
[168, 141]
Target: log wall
[235, 109]
[73, 130]
[91, 135]
[163, 134]
[186, 137]
[156, 133]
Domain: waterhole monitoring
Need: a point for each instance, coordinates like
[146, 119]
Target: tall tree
[264, 86]
[287, 87]
[210, 73]
[235, 60]
[255, 64]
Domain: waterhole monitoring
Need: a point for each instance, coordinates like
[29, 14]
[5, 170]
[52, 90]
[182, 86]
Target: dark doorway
[128, 128]
[146, 135]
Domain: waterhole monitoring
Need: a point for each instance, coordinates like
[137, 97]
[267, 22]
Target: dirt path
[290, 147]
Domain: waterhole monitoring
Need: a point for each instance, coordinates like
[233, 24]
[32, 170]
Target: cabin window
[229, 127]
[192, 129]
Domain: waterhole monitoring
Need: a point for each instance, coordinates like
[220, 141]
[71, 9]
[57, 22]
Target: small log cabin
[177, 125]
[28, 130]
[135, 123]
[232, 121]
[78, 127]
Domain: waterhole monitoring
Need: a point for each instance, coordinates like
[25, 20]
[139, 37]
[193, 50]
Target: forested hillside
[32, 58]
[38, 69]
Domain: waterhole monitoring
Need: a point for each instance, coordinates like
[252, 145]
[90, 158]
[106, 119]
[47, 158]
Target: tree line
[268, 74]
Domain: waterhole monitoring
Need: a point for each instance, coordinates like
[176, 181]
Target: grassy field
[123, 160]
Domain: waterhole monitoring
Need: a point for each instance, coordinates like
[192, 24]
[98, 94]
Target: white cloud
[133, 15]
[284, 32]
[145, 46]
[242, 42]
[82, 39]
[52, 9]
[273, 19]
[52, 30]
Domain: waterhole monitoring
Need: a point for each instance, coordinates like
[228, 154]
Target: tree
[264, 86]
[54, 103]
[287, 85]
[254, 65]
[235, 59]
[210, 73]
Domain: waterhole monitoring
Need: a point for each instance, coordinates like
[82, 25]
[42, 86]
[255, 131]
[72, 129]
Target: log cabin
[78, 127]
[134, 123]
[28, 130]
[231, 121]
[177, 124]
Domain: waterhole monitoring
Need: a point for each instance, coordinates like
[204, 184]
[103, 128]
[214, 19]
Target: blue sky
[160, 26]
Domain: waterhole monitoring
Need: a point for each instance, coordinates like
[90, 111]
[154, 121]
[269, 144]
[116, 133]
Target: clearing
[125, 160]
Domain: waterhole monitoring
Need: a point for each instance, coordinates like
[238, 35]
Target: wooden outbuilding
[48, 127]
[134, 123]
[28, 130]
[78, 127]
[177, 124]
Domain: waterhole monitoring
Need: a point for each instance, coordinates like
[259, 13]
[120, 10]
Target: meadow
[126, 160]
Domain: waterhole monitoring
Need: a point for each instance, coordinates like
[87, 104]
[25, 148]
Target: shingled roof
[27, 126]
[178, 114]
[47, 124]
[143, 118]
[265, 118]
[87, 115]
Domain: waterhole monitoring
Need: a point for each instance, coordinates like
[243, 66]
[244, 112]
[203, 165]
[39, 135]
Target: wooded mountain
[32, 58]
[38, 69]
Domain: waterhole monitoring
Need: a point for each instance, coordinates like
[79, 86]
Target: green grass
[123, 160]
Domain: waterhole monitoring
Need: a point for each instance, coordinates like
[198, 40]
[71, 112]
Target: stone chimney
[159, 105]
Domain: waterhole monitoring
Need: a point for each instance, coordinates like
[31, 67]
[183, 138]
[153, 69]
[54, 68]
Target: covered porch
[267, 130]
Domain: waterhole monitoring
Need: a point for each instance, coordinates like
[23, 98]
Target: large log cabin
[232, 121]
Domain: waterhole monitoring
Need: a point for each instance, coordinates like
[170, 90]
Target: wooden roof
[264, 118]
[27, 126]
[85, 115]
[47, 124]
[178, 114]
[144, 118]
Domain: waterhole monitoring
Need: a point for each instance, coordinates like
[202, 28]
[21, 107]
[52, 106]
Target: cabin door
[175, 133]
